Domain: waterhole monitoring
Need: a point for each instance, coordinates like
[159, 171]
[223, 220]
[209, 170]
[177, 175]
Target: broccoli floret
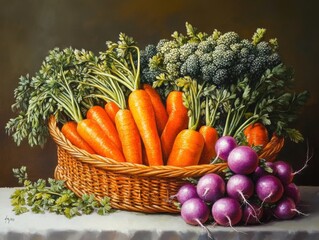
[244, 54]
[247, 48]
[171, 56]
[208, 72]
[224, 59]
[238, 70]
[228, 38]
[265, 58]
[221, 47]
[166, 46]
[172, 69]
[147, 54]
[264, 48]
[148, 75]
[205, 59]
[274, 60]
[149, 51]
[191, 66]
[187, 49]
[220, 77]
[150, 61]
[160, 44]
[206, 46]
[258, 66]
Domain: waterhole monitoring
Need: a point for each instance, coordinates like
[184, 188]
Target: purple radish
[283, 171]
[252, 214]
[227, 211]
[269, 189]
[240, 187]
[211, 187]
[195, 211]
[243, 160]
[292, 191]
[285, 209]
[224, 145]
[185, 192]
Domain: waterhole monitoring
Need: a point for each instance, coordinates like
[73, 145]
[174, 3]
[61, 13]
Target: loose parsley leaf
[53, 196]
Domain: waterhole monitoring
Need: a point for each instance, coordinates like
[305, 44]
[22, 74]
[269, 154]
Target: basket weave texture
[132, 187]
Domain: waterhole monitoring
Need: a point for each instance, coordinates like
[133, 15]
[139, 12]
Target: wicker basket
[132, 187]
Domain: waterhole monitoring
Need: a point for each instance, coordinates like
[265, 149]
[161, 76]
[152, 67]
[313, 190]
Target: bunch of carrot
[144, 133]
[120, 133]
[147, 131]
[150, 133]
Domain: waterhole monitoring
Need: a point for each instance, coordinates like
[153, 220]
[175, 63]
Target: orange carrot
[210, 137]
[161, 115]
[69, 131]
[174, 101]
[143, 113]
[91, 132]
[144, 156]
[189, 143]
[129, 136]
[256, 135]
[111, 109]
[177, 121]
[187, 148]
[209, 133]
[99, 115]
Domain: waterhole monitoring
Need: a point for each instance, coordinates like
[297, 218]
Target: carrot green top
[192, 91]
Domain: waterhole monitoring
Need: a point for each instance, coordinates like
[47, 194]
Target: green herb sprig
[52, 196]
[35, 96]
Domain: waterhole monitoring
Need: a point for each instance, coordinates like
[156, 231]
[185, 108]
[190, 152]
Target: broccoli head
[217, 58]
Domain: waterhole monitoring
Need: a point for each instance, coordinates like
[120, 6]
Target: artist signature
[8, 219]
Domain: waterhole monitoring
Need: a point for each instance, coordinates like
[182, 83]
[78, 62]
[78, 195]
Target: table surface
[132, 225]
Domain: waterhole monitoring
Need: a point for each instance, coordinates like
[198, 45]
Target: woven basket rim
[126, 167]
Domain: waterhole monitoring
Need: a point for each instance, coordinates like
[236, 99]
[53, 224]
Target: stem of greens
[137, 73]
[249, 121]
[194, 104]
[67, 101]
[122, 80]
[226, 126]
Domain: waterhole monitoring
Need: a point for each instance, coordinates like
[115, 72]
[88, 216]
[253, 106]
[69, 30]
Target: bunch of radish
[254, 191]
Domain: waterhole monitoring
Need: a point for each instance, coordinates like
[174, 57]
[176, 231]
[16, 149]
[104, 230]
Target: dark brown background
[30, 28]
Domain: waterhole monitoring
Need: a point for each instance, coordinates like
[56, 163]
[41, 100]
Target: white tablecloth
[122, 225]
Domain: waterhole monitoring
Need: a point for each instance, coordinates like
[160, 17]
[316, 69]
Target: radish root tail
[209, 234]
[308, 158]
